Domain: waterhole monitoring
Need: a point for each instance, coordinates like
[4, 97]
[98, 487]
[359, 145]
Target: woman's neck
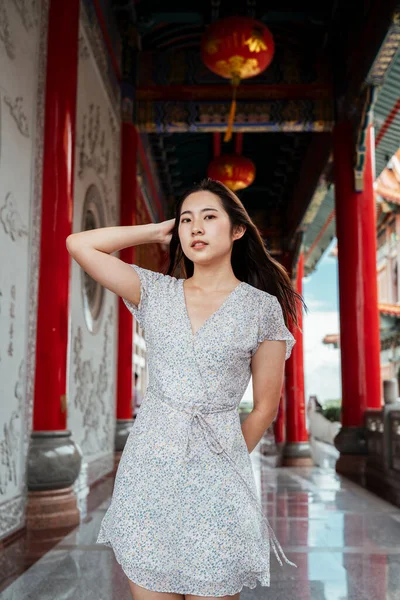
[212, 279]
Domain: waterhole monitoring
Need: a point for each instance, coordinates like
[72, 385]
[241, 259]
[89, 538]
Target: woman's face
[204, 219]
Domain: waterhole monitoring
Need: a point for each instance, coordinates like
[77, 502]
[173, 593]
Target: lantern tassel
[232, 113]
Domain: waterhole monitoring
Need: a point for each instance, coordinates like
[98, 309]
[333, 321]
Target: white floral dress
[184, 515]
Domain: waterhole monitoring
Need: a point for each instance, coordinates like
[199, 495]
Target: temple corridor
[343, 539]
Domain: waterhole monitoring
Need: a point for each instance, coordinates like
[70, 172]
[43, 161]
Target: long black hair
[250, 259]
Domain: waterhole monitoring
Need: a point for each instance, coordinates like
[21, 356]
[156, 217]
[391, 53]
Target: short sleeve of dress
[148, 281]
[271, 324]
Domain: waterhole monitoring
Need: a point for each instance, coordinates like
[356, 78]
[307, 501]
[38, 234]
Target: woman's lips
[198, 246]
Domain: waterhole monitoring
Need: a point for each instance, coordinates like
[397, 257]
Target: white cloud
[321, 362]
[314, 304]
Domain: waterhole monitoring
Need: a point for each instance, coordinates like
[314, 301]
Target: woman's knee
[193, 597]
[141, 593]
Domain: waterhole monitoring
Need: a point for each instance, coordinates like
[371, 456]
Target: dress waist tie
[215, 446]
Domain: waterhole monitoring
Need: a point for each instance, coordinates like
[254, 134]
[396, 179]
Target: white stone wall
[92, 349]
[23, 33]
[92, 355]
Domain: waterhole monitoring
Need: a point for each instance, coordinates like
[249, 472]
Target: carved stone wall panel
[92, 353]
[23, 35]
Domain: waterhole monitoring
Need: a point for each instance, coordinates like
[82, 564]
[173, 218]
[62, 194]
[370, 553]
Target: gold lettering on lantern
[255, 41]
[63, 400]
[238, 65]
[228, 170]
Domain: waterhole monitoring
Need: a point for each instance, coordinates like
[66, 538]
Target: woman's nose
[196, 228]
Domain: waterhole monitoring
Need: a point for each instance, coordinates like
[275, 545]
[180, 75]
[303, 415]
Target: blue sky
[322, 285]
[321, 362]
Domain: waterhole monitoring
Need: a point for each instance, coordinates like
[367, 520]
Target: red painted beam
[224, 92]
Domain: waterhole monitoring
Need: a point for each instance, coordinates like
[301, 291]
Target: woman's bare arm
[92, 251]
[267, 367]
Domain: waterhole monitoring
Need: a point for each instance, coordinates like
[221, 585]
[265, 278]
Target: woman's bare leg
[192, 597]
[140, 593]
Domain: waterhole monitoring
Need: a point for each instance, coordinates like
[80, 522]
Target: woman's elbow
[70, 242]
[266, 411]
[75, 242]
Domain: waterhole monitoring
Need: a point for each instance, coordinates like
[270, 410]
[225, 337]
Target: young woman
[184, 519]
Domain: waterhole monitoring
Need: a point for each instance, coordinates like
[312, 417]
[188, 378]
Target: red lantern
[235, 171]
[237, 48]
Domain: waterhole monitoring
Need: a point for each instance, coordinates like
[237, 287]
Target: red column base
[50, 509]
[297, 454]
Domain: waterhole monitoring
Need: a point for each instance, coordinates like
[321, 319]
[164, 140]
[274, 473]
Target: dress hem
[256, 577]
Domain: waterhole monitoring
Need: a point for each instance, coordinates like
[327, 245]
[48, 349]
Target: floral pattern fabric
[184, 515]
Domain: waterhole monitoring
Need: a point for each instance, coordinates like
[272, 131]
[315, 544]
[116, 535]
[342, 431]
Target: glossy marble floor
[345, 541]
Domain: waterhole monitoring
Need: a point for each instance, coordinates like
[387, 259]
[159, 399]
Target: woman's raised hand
[165, 231]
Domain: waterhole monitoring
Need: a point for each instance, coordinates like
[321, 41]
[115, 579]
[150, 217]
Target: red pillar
[296, 426]
[358, 297]
[280, 422]
[279, 425]
[54, 460]
[129, 144]
[50, 406]
[297, 450]
[359, 316]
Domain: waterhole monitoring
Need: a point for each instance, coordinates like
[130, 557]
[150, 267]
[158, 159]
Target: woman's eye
[186, 219]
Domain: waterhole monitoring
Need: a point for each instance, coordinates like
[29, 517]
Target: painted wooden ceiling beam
[224, 92]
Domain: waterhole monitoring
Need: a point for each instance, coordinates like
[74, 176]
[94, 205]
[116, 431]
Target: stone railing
[394, 439]
[375, 438]
[383, 445]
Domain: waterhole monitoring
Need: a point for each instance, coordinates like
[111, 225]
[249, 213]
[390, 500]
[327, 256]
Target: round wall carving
[92, 291]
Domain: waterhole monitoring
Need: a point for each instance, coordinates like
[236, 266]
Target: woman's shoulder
[151, 278]
[155, 287]
[260, 296]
